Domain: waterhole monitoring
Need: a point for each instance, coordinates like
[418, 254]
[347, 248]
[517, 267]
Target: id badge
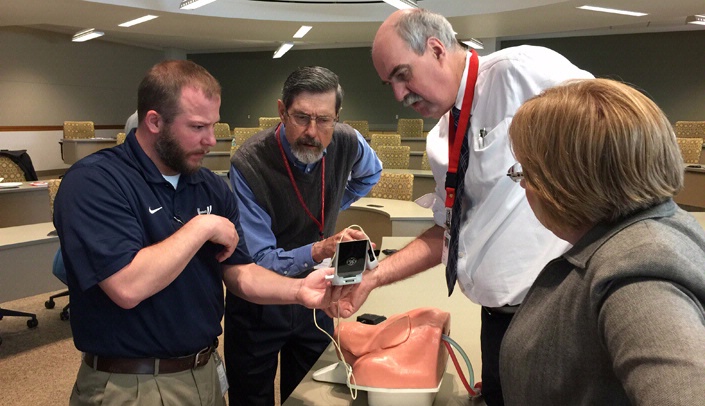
[222, 376]
[446, 244]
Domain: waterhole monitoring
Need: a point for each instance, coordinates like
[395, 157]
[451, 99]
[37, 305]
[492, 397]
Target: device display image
[350, 261]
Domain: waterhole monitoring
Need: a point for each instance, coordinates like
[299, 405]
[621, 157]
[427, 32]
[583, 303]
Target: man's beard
[171, 153]
[410, 99]
[304, 153]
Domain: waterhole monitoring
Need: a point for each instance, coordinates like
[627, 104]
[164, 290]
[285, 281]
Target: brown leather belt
[150, 366]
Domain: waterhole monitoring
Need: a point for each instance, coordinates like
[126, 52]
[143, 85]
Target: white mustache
[410, 99]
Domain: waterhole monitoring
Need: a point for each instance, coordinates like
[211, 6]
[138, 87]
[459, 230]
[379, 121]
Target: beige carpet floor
[38, 366]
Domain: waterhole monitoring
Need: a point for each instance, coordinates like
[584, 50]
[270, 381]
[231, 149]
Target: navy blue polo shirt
[112, 204]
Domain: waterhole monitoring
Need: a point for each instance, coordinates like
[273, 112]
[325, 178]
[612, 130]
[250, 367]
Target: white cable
[348, 368]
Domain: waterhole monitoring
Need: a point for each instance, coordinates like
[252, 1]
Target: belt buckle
[198, 354]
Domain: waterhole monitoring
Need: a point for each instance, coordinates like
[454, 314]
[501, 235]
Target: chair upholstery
[377, 140]
[10, 170]
[424, 162]
[360, 125]
[241, 134]
[120, 138]
[53, 188]
[266, 122]
[690, 149]
[410, 127]
[222, 130]
[399, 186]
[690, 129]
[394, 157]
[79, 129]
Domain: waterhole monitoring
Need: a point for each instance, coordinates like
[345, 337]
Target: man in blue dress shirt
[290, 182]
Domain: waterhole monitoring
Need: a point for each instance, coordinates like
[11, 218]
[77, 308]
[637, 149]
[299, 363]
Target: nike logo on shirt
[155, 210]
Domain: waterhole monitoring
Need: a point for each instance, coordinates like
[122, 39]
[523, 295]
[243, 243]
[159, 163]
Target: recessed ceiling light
[192, 4]
[302, 31]
[137, 21]
[402, 4]
[85, 35]
[613, 11]
[474, 43]
[696, 19]
[284, 48]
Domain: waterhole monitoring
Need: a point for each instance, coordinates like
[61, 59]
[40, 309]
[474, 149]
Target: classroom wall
[668, 66]
[252, 83]
[45, 79]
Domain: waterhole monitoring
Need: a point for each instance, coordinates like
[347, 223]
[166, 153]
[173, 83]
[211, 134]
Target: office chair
[266, 122]
[79, 129]
[397, 186]
[10, 171]
[58, 265]
[394, 157]
[362, 126]
[222, 130]
[378, 140]
[60, 272]
[31, 323]
[410, 127]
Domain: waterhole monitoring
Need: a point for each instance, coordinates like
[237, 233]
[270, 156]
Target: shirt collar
[290, 155]
[463, 83]
[149, 169]
[585, 248]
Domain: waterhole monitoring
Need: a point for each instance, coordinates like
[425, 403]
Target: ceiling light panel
[402, 4]
[137, 21]
[86, 35]
[696, 19]
[613, 11]
[284, 48]
[193, 4]
[302, 31]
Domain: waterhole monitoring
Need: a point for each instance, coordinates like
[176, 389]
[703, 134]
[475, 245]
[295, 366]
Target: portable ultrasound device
[351, 260]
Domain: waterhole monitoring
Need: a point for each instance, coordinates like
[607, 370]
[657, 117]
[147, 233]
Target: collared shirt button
[305, 263]
[461, 254]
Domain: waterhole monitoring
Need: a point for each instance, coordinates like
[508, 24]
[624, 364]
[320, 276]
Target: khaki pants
[198, 386]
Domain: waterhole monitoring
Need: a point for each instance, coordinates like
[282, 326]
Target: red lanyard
[456, 135]
[321, 223]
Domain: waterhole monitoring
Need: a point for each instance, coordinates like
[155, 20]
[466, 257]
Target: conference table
[427, 289]
[217, 160]
[693, 193]
[386, 217]
[222, 145]
[27, 203]
[26, 254]
[73, 149]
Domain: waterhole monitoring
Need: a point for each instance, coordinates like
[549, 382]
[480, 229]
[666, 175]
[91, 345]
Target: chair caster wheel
[64, 316]
[32, 323]
[49, 304]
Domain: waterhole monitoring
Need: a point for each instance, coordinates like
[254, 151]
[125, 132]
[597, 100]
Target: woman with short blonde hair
[619, 319]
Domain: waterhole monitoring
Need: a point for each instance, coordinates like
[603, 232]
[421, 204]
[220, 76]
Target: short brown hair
[595, 150]
[160, 90]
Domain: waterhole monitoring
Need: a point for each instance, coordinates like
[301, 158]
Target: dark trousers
[255, 335]
[494, 325]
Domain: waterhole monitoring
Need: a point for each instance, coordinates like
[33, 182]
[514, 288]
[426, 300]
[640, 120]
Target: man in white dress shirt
[501, 246]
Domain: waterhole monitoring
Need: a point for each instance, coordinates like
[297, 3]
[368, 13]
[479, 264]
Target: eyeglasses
[515, 172]
[303, 120]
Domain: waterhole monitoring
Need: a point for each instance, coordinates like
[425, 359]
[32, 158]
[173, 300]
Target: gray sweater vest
[259, 160]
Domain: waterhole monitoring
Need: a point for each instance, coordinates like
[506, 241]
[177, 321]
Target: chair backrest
[424, 162]
[399, 186]
[377, 140]
[120, 138]
[360, 125]
[53, 188]
[222, 130]
[394, 157]
[10, 170]
[410, 127]
[690, 149]
[266, 122]
[241, 134]
[79, 129]
[690, 129]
